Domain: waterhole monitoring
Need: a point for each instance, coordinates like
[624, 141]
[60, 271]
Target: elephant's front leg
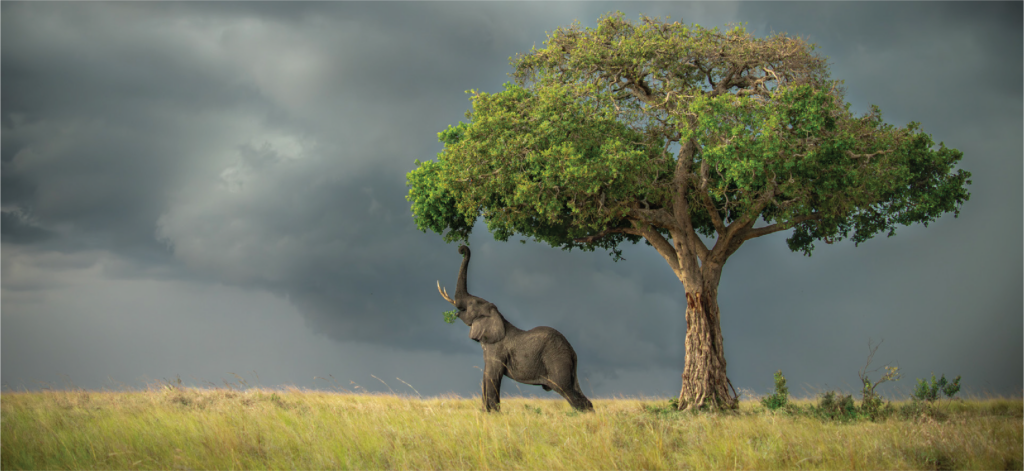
[493, 372]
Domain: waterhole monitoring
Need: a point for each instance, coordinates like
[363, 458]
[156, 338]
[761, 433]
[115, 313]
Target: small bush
[871, 405]
[929, 391]
[450, 316]
[780, 397]
[875, 409]
[835, 406]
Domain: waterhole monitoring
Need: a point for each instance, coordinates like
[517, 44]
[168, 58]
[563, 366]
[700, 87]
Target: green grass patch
[185, 428]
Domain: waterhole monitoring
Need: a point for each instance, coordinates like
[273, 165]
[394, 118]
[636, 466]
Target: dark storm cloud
[17, 230]
[263, 147]
[96, 119]
[857, 23]
[263, 157]
[103, 123]
[941, 58]
[956, 68]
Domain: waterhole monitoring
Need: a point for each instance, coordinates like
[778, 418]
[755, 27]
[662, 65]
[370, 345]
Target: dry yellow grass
[170, 428]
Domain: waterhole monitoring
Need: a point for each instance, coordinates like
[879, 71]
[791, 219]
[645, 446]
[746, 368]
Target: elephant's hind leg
[569, 388]
[579, 401]
[576, 399]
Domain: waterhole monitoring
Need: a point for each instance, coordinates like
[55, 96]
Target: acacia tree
[663, 132]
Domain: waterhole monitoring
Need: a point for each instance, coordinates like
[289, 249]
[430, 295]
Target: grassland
[184, 428]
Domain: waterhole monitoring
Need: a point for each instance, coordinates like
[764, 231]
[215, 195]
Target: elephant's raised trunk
[460, 287]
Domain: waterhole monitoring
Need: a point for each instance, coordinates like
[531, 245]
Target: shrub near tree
[779, 398]
[664, 132]
[929, 391]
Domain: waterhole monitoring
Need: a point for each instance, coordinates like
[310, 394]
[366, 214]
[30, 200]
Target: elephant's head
[486, 324]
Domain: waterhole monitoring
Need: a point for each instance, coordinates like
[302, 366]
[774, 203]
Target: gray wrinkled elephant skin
[539, 356]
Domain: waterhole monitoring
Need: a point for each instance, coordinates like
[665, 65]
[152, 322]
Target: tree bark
[705, 384]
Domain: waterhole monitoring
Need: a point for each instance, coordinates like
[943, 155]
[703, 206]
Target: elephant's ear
[488, 328]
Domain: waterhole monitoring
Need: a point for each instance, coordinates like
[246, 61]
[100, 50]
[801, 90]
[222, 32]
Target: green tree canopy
[662, 131]
[581, 145]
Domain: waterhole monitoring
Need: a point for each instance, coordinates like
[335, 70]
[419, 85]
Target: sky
[216, 192]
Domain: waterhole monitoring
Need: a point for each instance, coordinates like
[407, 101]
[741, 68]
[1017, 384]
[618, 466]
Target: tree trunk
[705, 384]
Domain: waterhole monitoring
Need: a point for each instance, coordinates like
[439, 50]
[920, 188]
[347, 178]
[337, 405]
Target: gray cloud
[233, 175]
[17, 229]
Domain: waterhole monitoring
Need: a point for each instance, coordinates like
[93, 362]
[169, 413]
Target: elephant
[539, 356]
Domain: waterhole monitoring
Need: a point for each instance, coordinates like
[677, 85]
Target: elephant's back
[548, 332]
[553, 340]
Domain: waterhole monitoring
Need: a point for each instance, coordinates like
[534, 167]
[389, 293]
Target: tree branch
[680, 204]
[691, 253]
[735, 234]
[867, 156]
[661, 245]
[726, 83]
[779, 226]
[605, 233]
[479, 176]
[748, 219]
[716, 219]
[657, 217]
[707, 73]
[639, 89]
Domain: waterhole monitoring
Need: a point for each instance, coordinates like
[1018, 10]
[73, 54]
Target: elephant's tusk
[444, 293]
